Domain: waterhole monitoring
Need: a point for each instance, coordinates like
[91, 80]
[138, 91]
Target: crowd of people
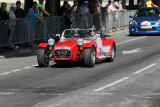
[16, 13]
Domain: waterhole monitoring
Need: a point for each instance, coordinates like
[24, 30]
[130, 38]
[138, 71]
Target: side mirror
[130, 16]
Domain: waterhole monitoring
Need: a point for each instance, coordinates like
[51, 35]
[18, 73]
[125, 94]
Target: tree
[52, 6]
[28, 5]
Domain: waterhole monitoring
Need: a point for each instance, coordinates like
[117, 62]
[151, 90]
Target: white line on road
[141, 70]
[6, 93]
[98, 93]
[17, 70]
[130, 40]
[111, 84]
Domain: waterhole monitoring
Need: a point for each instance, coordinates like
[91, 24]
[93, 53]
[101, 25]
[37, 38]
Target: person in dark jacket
[19, 11]
[3, 12]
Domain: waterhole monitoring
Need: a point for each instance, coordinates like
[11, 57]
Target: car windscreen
[78, 33]
[147, 13]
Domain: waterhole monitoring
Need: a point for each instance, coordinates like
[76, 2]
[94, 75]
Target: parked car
[145, 21]
[76, 45]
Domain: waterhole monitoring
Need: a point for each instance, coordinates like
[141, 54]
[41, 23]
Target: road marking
[17, 70]
[35, 65]
[98, 93]
[6, 93]
[132, 51]
[26, 67]
[112, 84]
[141, 70]
[130, 40]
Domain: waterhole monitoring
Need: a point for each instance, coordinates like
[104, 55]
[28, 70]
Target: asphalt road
[132, 80]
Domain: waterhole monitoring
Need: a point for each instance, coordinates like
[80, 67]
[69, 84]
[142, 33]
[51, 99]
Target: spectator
[111, 9]
[80, 10]
[42, 11]
[31, 9]
[97, 17]
[109, 2]
[74, 13]
[19, 11]
[74, 8]
[118, 5]
[12, 25]
[149, 3]
[68, 16]
[64, 9]
[34, 16]
[86, 9]
[95, 8]
[3, 12]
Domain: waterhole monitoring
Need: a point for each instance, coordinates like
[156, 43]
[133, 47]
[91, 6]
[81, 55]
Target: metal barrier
[29, 30]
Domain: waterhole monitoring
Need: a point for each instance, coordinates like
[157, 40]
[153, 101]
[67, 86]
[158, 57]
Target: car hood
[142, 19]
[66, 44]
[71, 44]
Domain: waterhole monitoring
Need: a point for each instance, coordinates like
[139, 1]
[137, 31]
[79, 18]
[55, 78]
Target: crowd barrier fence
[29, 30]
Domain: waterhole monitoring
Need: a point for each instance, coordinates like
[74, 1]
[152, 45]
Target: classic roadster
[77, 45]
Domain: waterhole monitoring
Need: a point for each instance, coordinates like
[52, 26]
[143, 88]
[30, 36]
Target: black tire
[89, 57]
[111, 59]
[43, 57]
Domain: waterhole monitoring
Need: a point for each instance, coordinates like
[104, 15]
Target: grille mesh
[62, 54]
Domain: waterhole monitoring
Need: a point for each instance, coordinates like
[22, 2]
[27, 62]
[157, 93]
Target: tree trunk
[27, 5]
[52, 6]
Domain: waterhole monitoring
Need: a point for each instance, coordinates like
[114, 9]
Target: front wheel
[89, 57]
[43, 57]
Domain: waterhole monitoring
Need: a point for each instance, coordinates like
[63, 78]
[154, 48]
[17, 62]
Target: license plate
[146, 27]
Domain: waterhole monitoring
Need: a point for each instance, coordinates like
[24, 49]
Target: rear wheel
[43, 57]
[111, 59]
[89, 57]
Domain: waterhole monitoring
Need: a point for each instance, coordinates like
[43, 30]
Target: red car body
[68, 50]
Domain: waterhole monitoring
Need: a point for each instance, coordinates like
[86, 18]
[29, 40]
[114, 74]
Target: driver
[75, 34]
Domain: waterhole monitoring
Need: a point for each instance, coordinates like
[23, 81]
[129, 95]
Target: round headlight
[51, 41]
[80, 42]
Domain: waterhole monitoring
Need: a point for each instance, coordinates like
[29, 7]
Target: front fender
[88, 45]
[42, 45]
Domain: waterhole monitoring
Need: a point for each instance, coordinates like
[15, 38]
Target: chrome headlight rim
[80, 42]
[51, 41]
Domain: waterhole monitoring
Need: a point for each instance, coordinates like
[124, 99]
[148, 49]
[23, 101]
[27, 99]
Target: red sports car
[77, 45]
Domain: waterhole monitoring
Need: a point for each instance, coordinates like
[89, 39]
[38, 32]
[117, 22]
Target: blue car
[145, 21]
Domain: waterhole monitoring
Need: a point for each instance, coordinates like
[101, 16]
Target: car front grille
[152, 29]
[151, 23]
[62, 53]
